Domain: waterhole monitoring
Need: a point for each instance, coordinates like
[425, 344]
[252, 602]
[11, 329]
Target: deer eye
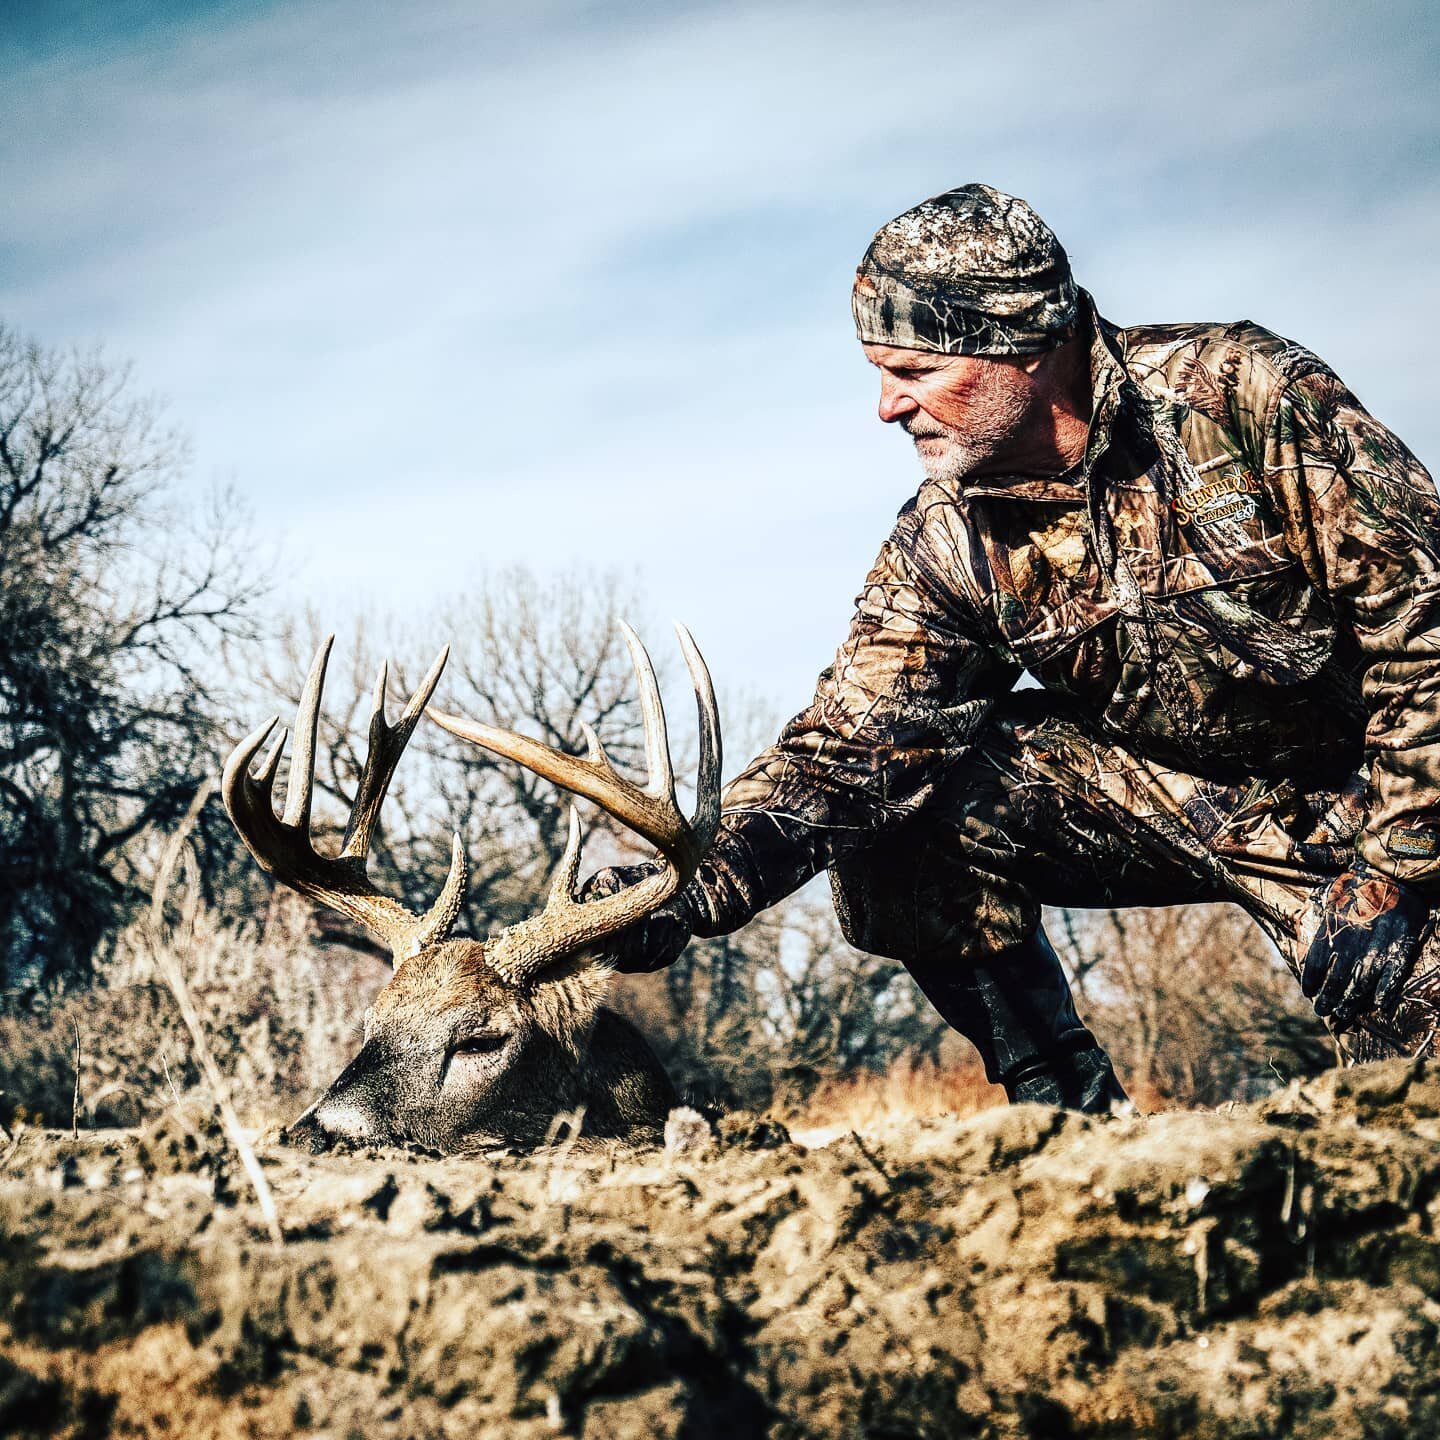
[486, 1043]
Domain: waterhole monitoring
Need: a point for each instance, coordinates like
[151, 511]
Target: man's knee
[960, 879]
[923, 904]
[861, 912]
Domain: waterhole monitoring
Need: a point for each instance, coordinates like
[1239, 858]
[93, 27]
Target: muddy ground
[1271, 1271]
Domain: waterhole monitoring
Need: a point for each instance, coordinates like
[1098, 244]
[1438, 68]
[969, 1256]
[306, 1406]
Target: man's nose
[895, 404]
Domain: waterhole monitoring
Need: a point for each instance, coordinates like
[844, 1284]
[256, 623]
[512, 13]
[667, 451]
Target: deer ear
[566, 997]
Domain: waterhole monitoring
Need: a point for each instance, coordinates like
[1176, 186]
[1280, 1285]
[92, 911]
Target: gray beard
[1001, 415]
[957, 459]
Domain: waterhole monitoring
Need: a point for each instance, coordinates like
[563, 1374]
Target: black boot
[1018, 1012]
[1082, 1079]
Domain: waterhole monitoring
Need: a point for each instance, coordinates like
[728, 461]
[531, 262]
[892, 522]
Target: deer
[479, 1042]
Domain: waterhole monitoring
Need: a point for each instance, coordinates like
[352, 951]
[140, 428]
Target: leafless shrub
[281, 1011]
[1192, 1002]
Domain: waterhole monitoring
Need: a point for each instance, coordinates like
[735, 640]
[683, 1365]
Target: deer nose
[340, 1118]
[326, 1121]
[306, 1134]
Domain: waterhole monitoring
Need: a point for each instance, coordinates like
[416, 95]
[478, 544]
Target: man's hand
[1366, 946]
[648, 944]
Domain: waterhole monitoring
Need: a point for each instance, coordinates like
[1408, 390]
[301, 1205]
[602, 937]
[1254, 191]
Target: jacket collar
[1109, 387]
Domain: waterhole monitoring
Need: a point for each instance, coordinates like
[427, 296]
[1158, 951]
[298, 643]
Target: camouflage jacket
[1239, 580]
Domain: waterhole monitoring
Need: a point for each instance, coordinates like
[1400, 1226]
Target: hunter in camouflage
[1229, 599]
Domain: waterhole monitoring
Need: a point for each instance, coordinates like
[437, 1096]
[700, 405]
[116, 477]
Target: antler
[282, 845]
[566, 926]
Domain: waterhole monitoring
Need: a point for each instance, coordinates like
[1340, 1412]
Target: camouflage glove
[648, 944]
[1366, 946]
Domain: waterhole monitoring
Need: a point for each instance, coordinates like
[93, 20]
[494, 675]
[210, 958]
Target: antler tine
[562, 884]
[300, 788]
[707, 777]
[387, 744]
[660, 772]
[235, 780]
[594, 750]
[270, 766]
[435, 924]
[566, 926]
[282, 846]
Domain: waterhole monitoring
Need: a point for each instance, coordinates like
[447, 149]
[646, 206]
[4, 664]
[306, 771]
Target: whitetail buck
[470, 1040]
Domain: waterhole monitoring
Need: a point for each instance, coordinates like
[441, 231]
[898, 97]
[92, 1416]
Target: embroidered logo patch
[1228, 498]
[1413, 844]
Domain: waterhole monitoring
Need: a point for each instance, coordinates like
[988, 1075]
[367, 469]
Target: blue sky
[445, 287]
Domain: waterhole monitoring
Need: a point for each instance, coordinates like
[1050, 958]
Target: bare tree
[1191, 1000]
[109, 598]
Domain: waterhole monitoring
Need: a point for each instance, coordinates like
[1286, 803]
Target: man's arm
[908, 690]
[907, 693]
[1363, 516]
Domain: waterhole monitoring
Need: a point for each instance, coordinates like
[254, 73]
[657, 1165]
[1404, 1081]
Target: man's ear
[1057, 366]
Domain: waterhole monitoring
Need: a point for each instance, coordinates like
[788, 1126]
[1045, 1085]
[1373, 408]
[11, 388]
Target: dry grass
[281, 1014]
[907, 1090]
[920, 1090]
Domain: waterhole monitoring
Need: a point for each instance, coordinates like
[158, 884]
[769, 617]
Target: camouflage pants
[1044, 811]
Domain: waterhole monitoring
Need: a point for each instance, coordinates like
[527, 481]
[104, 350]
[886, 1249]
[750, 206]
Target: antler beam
[282, 845]
[566, 926]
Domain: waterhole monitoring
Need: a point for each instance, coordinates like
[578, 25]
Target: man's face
[963, 412]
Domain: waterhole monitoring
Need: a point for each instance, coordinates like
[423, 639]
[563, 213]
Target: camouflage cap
[971, 272]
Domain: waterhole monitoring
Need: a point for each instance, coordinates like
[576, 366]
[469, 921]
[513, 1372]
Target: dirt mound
[1266, 1272]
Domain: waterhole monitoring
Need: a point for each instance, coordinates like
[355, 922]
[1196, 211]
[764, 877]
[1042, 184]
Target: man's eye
[479, 1045]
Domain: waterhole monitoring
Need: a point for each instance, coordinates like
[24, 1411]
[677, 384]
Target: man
[1224, 575]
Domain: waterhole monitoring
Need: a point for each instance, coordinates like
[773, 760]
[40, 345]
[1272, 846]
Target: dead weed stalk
[165, 952]
[75, 1099]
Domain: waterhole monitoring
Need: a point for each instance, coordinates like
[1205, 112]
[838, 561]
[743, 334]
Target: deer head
[473, 1039]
